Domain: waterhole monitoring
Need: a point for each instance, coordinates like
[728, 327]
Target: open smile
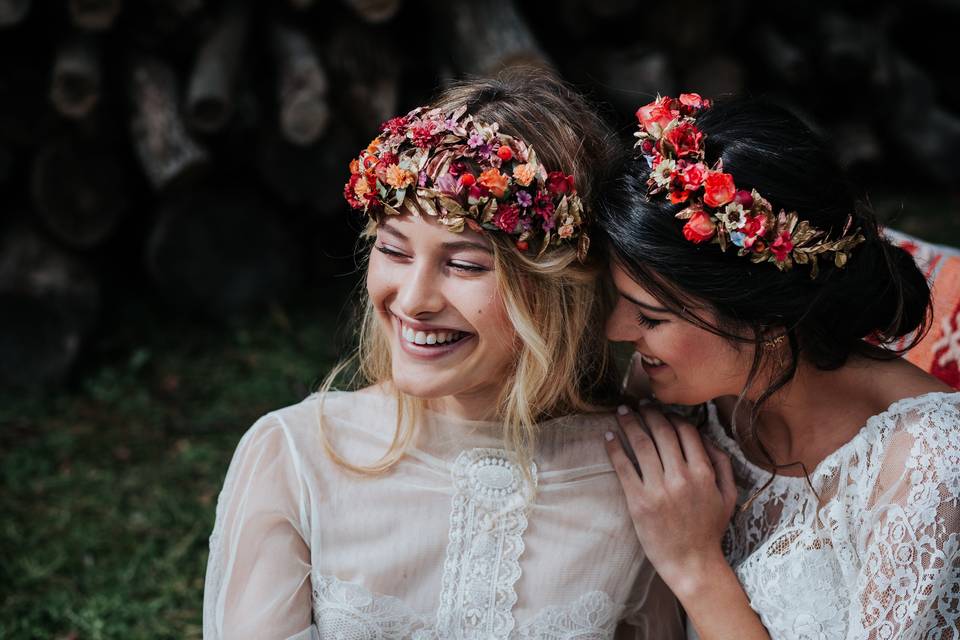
[428, 343]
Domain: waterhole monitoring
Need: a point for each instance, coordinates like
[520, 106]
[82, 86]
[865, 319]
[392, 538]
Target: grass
[108, 488]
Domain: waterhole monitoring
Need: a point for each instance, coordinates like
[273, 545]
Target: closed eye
[467, 267]
[649, 323]
[387, 251]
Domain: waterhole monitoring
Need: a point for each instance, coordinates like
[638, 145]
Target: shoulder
[919, 446]
[575, 441]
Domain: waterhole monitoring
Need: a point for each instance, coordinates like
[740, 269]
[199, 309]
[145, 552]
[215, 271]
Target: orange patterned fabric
[939, 351]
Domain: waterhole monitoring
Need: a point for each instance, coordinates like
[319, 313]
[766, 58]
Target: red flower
[467, 179]
[718, 189]
[692, 176]
[348, 192]
[685, 139]
[782, 246]
[423, 135]
[507, 217]
[504, 152]
[676, 197]
[699, 227]
[394, 125]
[744, 199]
[558, 182]
[654, 117]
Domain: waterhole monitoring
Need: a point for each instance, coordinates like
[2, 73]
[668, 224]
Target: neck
[819, 411]
[478, 404]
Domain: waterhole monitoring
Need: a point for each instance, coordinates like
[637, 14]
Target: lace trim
[348, 611]
[487, 521]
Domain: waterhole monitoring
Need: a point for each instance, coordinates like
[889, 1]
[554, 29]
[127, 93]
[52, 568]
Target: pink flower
[718, 189]
[692, 176]
[782, 246]
[691, 103]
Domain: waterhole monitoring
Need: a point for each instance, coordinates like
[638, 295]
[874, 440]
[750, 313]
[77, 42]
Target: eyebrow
[455, 245]
[649, 307]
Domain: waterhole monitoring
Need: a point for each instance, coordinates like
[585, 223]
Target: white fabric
[455, 542]
[878, 555]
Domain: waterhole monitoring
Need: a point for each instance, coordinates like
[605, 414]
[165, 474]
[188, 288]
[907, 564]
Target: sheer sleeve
[909, 543]
[258, 570]
[653, 612]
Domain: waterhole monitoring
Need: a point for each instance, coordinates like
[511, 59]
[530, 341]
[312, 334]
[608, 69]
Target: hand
[681, 494]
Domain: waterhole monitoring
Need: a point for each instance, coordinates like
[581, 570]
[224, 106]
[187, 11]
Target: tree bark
[78, 188]
[167, 152]
[94, 15]
[304, 113]
[210, 97]
[75, 83]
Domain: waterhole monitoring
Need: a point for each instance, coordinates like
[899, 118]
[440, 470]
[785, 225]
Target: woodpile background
[194, 151]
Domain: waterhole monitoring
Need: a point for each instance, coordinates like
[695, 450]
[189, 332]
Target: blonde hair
[556, 304]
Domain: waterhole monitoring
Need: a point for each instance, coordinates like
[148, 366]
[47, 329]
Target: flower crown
[466, 174]
[717, 211]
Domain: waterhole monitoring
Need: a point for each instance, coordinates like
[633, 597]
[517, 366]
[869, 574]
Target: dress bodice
[456, 541]
[869, 547]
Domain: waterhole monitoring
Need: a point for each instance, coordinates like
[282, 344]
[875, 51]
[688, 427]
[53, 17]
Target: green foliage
[108, 489]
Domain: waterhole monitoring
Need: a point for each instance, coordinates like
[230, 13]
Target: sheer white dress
[877, 555]
[452, 543]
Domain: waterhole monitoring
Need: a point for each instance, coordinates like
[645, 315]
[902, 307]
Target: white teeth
[429, 337]
[654, 362]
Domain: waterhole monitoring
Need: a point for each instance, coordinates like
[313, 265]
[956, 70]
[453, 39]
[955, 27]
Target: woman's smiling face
[686, 363]
[435, 293]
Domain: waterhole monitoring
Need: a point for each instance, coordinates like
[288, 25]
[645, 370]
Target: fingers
[622, 464]
[724, 471]
[691, 442]
[665, 438]
[644, 449]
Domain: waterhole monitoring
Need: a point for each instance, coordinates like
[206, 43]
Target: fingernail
[623, 410]
[608, 436]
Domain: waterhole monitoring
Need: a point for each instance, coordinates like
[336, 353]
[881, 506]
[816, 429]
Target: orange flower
[373, 146]
[523, 174]
[354, 166]
[362, 188]
[399, 178]
[495, 181]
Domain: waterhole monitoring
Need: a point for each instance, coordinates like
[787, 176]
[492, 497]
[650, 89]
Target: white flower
[661, 173]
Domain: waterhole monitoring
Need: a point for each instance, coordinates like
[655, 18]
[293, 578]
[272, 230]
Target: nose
[420, 293]
[622, 326]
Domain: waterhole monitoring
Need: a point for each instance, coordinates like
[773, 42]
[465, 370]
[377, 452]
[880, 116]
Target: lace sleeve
[653, 612]
[909, 543]
[257, 583]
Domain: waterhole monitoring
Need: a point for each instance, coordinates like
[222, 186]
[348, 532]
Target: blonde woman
[463, 490]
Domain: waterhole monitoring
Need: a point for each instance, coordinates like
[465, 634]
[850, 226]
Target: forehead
[426, 228]
[625, 284]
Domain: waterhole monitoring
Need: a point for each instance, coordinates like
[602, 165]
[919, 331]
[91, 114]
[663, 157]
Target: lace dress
[878, 555]
[455, 542]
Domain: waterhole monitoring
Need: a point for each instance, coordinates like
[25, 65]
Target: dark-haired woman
[752, 282]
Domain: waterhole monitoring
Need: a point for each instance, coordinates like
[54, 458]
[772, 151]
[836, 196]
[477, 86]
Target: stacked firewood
[195, 150]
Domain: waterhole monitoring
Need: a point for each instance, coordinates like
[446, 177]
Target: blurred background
[176, 257]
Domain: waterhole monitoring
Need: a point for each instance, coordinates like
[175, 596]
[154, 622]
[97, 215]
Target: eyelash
[467, 268]
[649, 323]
